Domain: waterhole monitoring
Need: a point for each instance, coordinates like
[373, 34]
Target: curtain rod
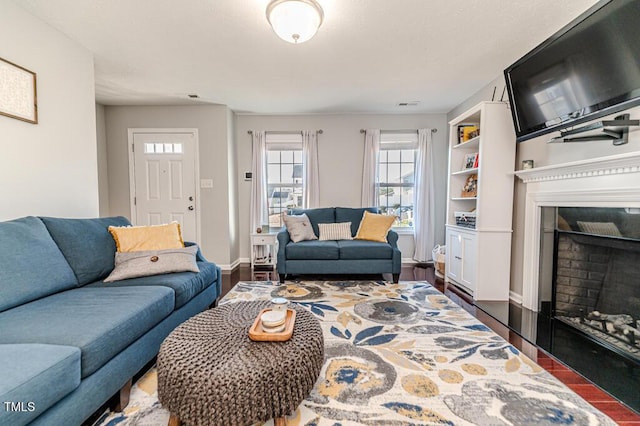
[284, 132]
[400, 131]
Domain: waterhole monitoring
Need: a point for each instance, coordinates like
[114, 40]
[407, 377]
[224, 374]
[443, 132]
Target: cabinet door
[454, 255]
[469, 261]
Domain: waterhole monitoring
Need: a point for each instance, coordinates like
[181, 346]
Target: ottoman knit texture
[211, 373]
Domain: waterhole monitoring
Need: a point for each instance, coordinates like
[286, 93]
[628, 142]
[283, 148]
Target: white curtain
[258, 209]
[424, 193]
[370, 169]
[310, 176]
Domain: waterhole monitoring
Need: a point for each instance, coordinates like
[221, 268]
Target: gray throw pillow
[136, 264]
[299, 228]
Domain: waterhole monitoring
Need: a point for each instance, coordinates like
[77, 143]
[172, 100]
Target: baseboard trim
[230, 267]
[515, 297]
[408, 261]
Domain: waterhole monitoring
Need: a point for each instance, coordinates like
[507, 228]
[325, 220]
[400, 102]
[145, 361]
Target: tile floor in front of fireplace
[590, 392]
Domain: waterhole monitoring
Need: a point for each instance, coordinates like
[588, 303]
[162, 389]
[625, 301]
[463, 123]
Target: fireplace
[581, 268]
[596, 280]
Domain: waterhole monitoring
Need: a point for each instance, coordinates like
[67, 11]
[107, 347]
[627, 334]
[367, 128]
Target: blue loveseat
[69, 341]
[337, 257]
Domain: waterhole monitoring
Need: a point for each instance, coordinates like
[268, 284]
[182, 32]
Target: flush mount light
[295, 21]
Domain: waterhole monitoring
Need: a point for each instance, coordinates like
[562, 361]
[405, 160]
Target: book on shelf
[467, 132]
[470, 161]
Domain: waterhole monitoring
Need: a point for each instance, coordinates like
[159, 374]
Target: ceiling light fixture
[295, 21]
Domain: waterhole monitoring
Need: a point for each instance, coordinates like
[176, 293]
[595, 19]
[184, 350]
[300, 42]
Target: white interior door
[164, 179]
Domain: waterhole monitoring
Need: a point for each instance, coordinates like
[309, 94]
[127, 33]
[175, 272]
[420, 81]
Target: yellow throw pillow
[374, 227]
[154, 237]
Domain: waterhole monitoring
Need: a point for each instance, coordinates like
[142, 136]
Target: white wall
[215, 155]
[233, 177]
[49, 168]
[103, 173]
[543, 154]
[341, 153]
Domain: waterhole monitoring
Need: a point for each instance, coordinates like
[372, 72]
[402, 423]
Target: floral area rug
[401, 354]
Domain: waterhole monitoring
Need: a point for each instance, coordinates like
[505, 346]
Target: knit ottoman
[211, 373]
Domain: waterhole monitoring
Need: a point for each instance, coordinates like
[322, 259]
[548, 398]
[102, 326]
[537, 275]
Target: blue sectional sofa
[69, 341]
[337, 257]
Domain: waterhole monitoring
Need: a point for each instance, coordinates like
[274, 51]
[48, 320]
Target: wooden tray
[257, 333]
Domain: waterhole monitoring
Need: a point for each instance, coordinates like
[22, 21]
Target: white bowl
[272, 319]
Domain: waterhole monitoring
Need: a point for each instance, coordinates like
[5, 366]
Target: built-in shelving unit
[479, 253]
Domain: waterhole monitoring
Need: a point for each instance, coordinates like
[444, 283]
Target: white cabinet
[461, 261]
[482, 149]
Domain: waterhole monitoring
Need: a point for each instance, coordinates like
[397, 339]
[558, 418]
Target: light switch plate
[206, 183]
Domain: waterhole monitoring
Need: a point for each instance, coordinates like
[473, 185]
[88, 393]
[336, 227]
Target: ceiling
[368, 56]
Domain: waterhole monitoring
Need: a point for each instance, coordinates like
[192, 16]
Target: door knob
[190, 208]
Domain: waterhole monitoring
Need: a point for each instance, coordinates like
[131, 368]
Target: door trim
[131, 132]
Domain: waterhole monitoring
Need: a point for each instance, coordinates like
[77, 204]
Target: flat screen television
[588, 69]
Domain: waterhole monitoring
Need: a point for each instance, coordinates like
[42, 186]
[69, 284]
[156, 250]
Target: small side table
[264, 250]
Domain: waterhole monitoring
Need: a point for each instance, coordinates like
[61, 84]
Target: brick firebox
[596, 273]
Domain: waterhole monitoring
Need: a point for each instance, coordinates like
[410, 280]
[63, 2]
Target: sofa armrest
[283, 240]
[392, 238]
[396, 260]
[199, 256]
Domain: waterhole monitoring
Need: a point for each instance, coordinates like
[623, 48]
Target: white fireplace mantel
[612, 181]
[602, 166]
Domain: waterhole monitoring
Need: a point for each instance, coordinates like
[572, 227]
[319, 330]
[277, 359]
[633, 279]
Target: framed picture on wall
[18, 92]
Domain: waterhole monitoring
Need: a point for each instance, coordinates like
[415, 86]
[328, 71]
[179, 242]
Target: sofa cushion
[31, 265]
[374, 227]
[353, 215]
[154, 262]
[335, 231]
[316, 216]
[186, 285]
[299, 228]
[361, 249]
[86, 244]
[151, 237]
[99, 321]
[37, 376]
[318, 250]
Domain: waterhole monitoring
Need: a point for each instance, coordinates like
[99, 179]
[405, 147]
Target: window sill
[404, 230]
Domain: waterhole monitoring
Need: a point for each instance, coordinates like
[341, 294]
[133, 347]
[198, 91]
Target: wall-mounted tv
[588, 69]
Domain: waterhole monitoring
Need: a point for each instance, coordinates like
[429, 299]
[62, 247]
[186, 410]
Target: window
[396, 176]
[162, 148]
[284, 175]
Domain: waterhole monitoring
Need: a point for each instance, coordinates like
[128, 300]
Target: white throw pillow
[136, 264]
[335, 231]
[299, 228]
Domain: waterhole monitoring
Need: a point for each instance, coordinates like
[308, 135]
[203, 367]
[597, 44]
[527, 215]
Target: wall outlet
[206, 183]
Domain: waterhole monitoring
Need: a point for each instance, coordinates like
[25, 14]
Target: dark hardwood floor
[583, 387]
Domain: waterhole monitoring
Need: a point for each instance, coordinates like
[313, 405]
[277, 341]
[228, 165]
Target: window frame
[397, 141]
[280, 142]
